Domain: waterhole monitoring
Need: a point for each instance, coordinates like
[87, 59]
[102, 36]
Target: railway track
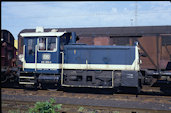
[68, 108]
[121, 102]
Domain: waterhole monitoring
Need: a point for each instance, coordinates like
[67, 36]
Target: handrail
[23, 57]
[112, 78]
[62, 67]
[35, 57]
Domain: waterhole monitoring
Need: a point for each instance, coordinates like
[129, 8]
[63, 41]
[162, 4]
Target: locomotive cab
[42, 57]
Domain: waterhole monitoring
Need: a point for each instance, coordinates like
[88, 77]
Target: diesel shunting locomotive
[55, 57]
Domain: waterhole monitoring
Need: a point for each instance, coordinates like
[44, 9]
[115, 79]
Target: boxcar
[8, 56]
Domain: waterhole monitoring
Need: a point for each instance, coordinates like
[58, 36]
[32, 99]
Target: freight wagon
[8, 57]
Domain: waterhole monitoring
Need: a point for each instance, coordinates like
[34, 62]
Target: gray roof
[114, 31]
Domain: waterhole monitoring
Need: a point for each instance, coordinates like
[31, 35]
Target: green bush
[46, 107]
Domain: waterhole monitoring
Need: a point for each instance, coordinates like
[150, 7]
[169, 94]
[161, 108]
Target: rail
[142, 102]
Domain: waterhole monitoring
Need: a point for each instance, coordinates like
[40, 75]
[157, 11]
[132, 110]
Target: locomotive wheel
[44, 86]
[29, 87]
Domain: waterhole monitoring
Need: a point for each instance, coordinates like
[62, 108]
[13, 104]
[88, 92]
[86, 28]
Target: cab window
[42, 43]
[51, 44]
[47, 43]
[30, 46]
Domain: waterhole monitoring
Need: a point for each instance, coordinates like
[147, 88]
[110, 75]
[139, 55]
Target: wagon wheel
[3, 78]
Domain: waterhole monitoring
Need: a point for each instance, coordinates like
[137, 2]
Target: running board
[32, 83]
[26, 77]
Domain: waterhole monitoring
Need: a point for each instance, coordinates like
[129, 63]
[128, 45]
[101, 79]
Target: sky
[16, 16]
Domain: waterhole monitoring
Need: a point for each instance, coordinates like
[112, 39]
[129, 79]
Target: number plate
[46, 57]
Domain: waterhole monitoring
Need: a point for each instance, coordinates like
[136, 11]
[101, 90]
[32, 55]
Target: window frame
[46, 48]
[30, 43]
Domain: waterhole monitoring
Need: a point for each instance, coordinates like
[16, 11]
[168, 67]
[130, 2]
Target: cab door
[30, 44]
[48, 54]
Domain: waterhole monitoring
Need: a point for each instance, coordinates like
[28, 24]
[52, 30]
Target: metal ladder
[25, 79]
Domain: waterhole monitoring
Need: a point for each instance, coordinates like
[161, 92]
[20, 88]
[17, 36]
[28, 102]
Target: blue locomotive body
[99, 66]
[54, 57]
[116, 55]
